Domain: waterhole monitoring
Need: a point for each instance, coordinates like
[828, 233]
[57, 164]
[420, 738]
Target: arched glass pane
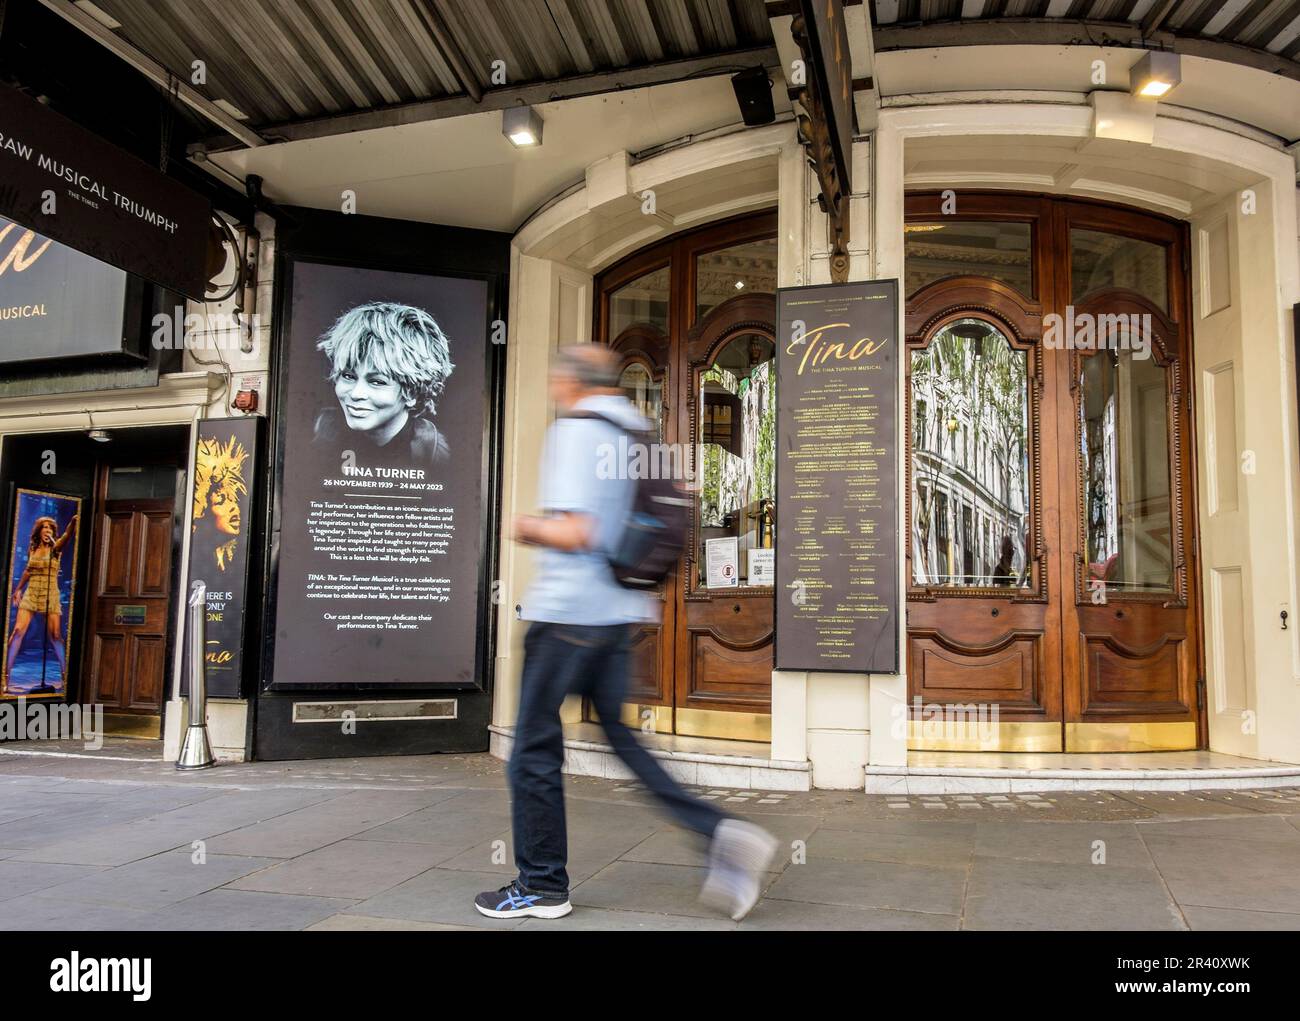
[1099, 261]
[1001, 251]
[970, 459]
[737, 464]
[741, 269]
[640, 302]
[1126, 497]
[645, 392]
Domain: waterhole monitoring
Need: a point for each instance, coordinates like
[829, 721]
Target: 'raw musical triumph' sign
[65, 183]
[836, 482]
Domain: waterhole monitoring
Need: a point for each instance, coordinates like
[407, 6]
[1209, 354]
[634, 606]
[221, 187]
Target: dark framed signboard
[385, 475]
[69, 184]
[227, 462]
[836, 478]
[378, 574]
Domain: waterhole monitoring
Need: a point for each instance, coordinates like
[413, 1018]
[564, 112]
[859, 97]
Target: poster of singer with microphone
[38, 617]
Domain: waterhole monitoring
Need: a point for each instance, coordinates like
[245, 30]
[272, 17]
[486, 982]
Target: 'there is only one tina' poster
[381, 510]
[40, 594]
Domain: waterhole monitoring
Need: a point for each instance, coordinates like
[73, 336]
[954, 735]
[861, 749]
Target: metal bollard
[196, 750]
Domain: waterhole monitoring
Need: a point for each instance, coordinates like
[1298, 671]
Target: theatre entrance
[119, 615]
[1052, 586]
[694, 321]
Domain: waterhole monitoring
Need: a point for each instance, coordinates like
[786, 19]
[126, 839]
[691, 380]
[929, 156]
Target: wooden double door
[694, 322]
[1052, 601]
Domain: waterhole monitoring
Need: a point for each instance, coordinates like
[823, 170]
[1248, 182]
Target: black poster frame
[385, 245]
[781, 581]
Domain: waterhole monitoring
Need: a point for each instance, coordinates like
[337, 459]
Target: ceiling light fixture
[522, 125]
[1155, 75]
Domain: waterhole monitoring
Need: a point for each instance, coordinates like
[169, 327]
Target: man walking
[581, 620]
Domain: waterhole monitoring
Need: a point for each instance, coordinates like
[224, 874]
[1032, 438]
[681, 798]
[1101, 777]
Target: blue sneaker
[514, 901]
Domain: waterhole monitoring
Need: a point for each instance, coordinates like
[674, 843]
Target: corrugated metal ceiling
[1270, 25]
[287, 61]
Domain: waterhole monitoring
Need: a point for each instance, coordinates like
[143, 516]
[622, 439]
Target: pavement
[122, 841]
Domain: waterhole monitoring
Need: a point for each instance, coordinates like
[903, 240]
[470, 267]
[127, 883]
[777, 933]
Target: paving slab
[438, 895]
[364, 923]
[916, 842]
[1079, 843]
[119, 842]
[1015, 895]
[156, 882]
[1253, 874]
[589, 919]
[771, 914]
[873, 884]
[324, 822]
[226, 910]
[641, 886]
[19, 878]
[352, 869]
[1233, 920]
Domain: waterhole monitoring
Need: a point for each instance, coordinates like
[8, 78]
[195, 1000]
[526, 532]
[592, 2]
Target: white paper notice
[722, 562]
[762, 566]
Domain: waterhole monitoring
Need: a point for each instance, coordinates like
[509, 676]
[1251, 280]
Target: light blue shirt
[579, 587]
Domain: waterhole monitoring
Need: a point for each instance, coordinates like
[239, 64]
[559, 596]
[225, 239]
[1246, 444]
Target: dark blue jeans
[560, 659]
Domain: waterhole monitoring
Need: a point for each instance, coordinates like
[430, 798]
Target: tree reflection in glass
[970, 459]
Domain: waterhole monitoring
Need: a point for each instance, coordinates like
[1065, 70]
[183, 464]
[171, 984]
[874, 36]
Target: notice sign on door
[836, 482]
[722, 562]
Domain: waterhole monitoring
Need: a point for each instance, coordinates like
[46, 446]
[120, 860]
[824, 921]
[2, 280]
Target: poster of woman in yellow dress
[42, 575]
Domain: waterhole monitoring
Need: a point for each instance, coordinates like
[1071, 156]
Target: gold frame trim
[1131, 737]
[983, 737]
[717, 723]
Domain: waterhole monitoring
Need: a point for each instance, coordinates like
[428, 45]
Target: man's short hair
[592, 366]
[402, 342]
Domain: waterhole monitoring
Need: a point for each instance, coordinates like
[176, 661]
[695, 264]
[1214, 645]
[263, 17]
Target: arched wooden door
[694, 321]
[1052, 599]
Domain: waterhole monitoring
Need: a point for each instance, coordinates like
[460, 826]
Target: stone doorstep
[957, 780]
[705, 769]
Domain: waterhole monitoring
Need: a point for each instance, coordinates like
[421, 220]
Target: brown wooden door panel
[107, 668]
[1008, 671]
[147, 671]
[153, 555]
[726, 675]
[1123, 680]
[646, 669]
[117, 540]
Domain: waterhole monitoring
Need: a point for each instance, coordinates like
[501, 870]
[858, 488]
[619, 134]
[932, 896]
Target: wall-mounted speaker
[754, 94]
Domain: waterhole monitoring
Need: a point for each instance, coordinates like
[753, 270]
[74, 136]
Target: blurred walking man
[577, 643]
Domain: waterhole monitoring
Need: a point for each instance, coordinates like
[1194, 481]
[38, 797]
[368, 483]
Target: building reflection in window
[1125, 451]
[737, 452]
[970, 459]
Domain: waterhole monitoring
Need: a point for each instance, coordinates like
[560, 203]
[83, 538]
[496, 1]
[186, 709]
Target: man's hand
[567, 531]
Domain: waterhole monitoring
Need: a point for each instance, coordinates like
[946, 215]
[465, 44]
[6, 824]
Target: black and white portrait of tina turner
[389, 363]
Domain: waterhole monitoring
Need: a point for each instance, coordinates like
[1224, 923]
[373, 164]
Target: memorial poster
[381, 508]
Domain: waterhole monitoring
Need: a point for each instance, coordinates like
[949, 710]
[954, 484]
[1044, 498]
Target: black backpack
[654, 531]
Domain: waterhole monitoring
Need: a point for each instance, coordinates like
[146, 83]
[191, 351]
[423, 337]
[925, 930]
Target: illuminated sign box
[56, 303]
